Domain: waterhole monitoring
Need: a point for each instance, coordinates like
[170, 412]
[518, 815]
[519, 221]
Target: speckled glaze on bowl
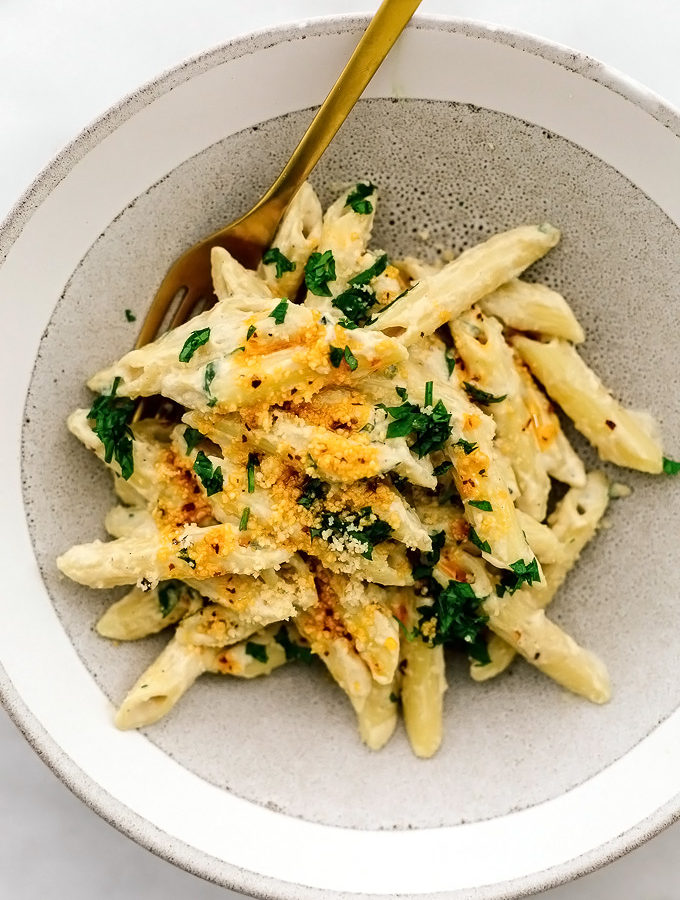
[264, 786]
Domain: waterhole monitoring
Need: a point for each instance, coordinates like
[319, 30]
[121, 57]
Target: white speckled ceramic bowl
[264, 786]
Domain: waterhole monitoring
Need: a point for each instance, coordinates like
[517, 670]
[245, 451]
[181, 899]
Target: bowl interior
[450, 174]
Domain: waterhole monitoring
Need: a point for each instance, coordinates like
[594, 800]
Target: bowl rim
[114, 811]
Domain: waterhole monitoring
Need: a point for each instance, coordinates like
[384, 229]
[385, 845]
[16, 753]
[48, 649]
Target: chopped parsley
[211, 476]
[428, 393]
[130, 316]
[183, 554]
[245, 515]
[112, 416]
[457, 619]
[526, 571]
[475, 539]
[521, 573]
[357, 199]
[169, 595]
[192, 437]
[427, 562]
[454, 610]
[337, 354]
[450, 362]
[398, 297]
[195, 340]
[278, 314]
[431, 430]
[320, 269]
[409, 635]
[670, 466]
[251, 331]
[257, 651]
[467, 447]
[442, 468]
[481, 504]
[355, 303]
[208, 379]
[292, 650]
[481, 396]
[363, 528]
[314, 489]
[371, 272]
[253, 460]
[282, 263]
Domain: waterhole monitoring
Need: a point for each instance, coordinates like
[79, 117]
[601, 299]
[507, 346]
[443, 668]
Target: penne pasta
[622, 436]
[533, 307]
[283, 268]
[439, 298]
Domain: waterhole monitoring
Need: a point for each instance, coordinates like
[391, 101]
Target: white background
[62, 63]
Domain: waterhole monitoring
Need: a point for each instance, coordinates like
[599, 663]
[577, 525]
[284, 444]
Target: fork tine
[189, 302]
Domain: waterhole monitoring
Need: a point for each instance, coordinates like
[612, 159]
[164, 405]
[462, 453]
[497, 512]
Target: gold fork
[248, 237]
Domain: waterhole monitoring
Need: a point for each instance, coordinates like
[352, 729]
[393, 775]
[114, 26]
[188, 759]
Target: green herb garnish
[450, 362]
[442, 469]
[211, 476]
[357, 198]
[292, 650]
[371, 272]
[670, 466]
[251, 331]
[526, 571]
[208, 378]
[257, 651]
[192, 437]
[253, 460]
[355, 303]
[467, 447]
[521, 573]
[427, 561]
[112, 417]
[382, 309]
[432, 430]
[409, 635]
[320, 269]
[350, 359]
[355, 527]
[428, 393]
[313, 489]
[169, 595]
[130, 316]
[282, 263]
[458, 621]
[481, 504]
[183, 554]
[481, 396]
[475, 539]
[337, 354]
[195, 340]
[278, 314]
[245, 515]
[454, 609]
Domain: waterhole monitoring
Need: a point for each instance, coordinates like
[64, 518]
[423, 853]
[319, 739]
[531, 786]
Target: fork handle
[383, 30]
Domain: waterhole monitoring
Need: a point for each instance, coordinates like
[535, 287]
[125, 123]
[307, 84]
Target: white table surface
[63, 62]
